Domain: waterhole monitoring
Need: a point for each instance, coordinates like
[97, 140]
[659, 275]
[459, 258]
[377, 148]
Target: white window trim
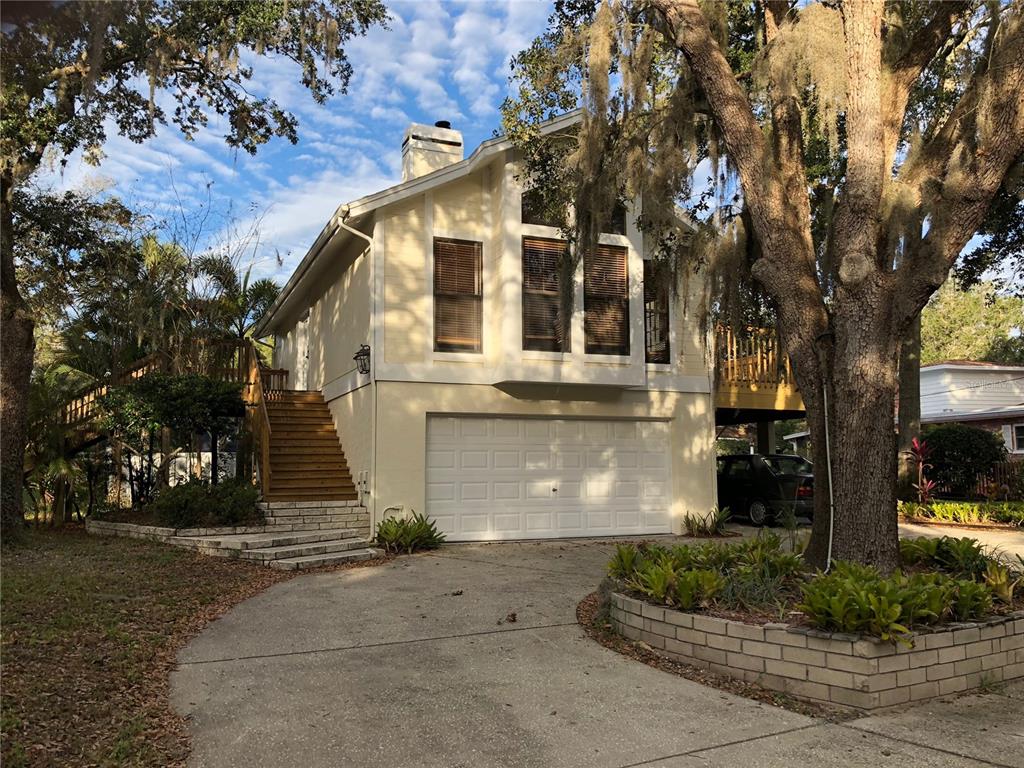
[448, 356]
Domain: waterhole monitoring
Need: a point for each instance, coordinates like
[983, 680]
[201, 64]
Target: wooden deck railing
[85, 406]
[751, 358]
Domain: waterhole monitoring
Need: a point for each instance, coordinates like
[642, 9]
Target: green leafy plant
[1001, 581]
[970, 600]
[624, 562]
[962, 556]
[408, 535]
[655, 580]
[712, 524]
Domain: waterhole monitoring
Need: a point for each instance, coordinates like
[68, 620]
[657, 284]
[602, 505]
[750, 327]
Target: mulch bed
[935, 522]
[592, 617]
[91, 629]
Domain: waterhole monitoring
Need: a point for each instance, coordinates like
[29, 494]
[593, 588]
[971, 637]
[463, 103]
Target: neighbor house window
[458, 295]
[655, 315]
[606, 301]
[541, 297]
[1018, 438]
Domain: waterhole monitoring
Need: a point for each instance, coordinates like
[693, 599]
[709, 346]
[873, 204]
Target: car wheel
[758, 512]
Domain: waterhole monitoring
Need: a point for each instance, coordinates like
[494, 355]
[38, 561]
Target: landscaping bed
[1005, 515]
[91, 628]
[196, 504]
[953, 619]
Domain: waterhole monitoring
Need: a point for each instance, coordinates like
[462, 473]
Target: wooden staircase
[306, 459]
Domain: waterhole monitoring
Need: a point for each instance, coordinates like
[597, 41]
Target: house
[425, 317]
[984, 395]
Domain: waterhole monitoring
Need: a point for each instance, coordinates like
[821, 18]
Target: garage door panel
[440, 492]
[507, 491]
[474, 491]
[507, 478]
[505, 522]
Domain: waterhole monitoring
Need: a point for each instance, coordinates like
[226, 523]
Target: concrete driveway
[419, 663]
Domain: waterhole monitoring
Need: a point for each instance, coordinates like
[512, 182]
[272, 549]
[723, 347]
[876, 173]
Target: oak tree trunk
[17, 348]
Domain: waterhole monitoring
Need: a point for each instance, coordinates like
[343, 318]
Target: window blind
[656, 342]
[606, 301]
[458, 295]
[541, 299]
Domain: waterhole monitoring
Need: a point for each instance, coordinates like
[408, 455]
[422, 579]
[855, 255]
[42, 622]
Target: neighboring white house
[475, 410]
[983, 394]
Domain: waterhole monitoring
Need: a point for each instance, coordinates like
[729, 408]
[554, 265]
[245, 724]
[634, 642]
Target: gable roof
[358, 213]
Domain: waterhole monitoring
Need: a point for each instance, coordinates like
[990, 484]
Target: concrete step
[247, 541]
[304, 550]
[339, 518]
[315, 561]
[314, 495]
[281, 514]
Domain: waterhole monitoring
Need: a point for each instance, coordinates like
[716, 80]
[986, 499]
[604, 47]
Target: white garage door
[505, 478]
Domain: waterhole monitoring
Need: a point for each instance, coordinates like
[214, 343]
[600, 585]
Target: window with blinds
[458, 295]
[606, 301]
[655, 316]
[542, 330]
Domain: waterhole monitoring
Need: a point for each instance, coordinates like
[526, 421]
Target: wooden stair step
[280, 476]
[316, 439]
[293, 430]
[337, 483]
[316, 464]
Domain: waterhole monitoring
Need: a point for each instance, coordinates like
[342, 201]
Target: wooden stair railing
[261, 386]
[85, 406]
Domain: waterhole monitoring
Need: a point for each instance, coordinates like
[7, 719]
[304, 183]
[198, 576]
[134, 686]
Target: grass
[91, 627]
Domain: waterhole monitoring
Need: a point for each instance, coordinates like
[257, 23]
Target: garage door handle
[554, 490]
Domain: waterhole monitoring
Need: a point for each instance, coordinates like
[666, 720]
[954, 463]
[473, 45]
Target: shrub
[408, 534]
[962, 557]
[707, 525]
[858, 599]
[712, 524]
[197, 504]
[960, 453]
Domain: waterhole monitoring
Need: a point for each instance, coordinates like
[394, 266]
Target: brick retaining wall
[839, 669]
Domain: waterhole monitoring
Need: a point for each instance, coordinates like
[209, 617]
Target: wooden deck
[753, 374]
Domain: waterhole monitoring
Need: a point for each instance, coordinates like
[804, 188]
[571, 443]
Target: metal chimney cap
[443, 124]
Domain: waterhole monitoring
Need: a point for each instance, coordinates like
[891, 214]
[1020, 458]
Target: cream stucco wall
[400, 256]
[403, 407]
[286, 348]
[353, 420]
[339, 319]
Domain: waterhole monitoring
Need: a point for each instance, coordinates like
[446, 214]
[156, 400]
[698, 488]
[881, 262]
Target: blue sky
[438, 61]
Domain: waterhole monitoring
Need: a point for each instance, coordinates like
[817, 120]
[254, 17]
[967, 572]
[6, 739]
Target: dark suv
[763, 487]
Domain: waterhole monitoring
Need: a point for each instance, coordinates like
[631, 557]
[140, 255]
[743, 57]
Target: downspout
[344, 212]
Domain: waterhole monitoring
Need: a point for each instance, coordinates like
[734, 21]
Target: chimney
[427, 148]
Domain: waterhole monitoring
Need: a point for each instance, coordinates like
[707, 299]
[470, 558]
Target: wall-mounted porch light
[362, 358]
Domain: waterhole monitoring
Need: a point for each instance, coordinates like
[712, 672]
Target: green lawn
[90, 628]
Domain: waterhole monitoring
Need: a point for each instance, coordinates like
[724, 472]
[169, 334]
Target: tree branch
[908, 67]
[956, 175]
